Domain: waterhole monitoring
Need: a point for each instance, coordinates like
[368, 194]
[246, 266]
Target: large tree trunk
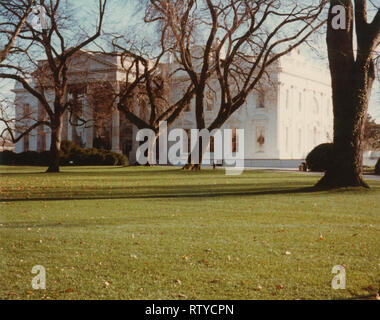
[352, 80]
[346, 168]
[55, 145]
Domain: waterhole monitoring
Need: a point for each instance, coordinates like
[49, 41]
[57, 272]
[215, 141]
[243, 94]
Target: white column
[116, 124]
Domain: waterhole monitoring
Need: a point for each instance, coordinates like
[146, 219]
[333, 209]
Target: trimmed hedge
[377, 167]
[71, 155]
[320, 157]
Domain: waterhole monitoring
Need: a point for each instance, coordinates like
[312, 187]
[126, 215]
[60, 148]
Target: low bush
[70, 155]
[320, 157]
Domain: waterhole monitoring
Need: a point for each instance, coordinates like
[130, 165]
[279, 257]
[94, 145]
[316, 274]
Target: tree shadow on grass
[173, 192]
[208, 184]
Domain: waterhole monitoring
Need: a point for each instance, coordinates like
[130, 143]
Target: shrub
[320, 157]
[377, 167]
[70, 154]
[7, 157]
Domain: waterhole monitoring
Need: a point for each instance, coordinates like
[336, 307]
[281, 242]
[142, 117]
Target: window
[210, 101]
[260, 138]
[26, 142]
[26, 110]
[43, 141]
[189, 105]
[261, 100]
[212, 144]
[234, 140]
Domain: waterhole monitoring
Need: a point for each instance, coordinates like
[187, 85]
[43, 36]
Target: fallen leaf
[69, 290]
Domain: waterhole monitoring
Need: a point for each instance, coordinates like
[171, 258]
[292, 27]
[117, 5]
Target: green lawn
[161, 233]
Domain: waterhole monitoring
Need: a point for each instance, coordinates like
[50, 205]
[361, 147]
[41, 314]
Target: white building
[284, 122]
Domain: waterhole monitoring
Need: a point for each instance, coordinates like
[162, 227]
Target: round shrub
[377, 167]
[320, 158]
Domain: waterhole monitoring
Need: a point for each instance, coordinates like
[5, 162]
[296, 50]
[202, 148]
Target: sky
[127, 16]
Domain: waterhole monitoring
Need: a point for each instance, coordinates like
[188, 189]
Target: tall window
[261, 100]
[260, 138]
[43, 141]
[234, 140]
[26, 124]
[26, 110]
[188, 106]
[212, 144]
[210, 101]
[26, 142]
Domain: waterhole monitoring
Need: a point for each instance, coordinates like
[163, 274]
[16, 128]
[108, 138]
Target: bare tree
[144, 97]
[59, 43]
[234, 41]
[353, 75]
[13, 15]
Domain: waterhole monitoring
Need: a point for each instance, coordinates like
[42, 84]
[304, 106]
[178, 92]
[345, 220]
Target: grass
[161, 233]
